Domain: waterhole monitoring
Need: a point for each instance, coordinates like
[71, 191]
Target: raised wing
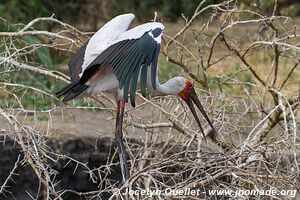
[130, 56]
[98, 43]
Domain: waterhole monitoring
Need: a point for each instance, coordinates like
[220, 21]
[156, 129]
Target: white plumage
[104, 37]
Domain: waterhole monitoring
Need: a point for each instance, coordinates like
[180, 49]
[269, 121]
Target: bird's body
[121, 61]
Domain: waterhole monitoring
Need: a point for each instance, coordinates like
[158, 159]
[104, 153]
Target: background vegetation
[77, 12]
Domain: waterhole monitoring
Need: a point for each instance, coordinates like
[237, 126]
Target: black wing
[75, 88]
[129, 58]
[75, 63]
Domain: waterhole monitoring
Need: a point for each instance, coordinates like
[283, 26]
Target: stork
[120, 61]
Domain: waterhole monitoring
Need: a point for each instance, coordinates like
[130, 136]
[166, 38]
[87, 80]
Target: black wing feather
[143, 80]
[133, 85]
[98, 62]
[154, 66]
[76, 61]
[126, 72]
[128, 79]
[127, 59]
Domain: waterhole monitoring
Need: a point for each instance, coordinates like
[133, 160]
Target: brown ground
[82, 123]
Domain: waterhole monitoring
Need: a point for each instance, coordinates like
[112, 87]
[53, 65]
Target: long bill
[194, 98]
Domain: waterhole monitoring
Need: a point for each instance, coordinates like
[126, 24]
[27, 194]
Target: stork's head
[188, 94]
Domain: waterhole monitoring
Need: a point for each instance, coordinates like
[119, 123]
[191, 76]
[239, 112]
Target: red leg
[119, 139]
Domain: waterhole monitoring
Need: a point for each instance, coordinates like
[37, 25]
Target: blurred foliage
[42, 54]
[94, 11]
[167, 70]
[285, 7]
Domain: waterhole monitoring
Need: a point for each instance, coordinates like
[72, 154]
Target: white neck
[171, 87]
